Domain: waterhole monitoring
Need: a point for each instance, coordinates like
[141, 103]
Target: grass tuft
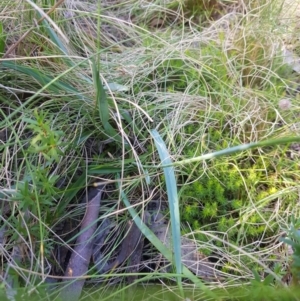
[91, 92]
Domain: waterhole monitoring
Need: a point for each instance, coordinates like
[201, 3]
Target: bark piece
[81, 255]
[128, 245]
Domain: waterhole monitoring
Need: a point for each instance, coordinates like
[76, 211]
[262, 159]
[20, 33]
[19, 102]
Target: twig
[81, 256]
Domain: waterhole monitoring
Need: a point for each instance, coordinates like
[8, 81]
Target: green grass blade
[54, 38]
[52, 84]
[47, 19]
[60, 45]
[172, 198]
[231, 150]
[55, 86]
[101, 98]
[2, 40]
[102, 105]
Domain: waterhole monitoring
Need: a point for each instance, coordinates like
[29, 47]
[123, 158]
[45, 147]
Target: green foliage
[221, 195]
[2, 40]
[293, 239]
[42, 192]
[102, 105]
[35, 191]
[221, 198]
[234, 195]
[262, 283]
[46, 141]
[214, 70]
[177, 73]
[238, 83]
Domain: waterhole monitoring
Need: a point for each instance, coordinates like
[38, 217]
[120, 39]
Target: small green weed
[46, 141]
[293, 240]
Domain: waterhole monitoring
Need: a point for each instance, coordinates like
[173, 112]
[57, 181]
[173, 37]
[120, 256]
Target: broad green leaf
[101, 98]
[172, 199]
[102, 105]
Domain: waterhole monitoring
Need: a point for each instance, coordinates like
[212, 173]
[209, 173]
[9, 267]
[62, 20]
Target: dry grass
[220, 72]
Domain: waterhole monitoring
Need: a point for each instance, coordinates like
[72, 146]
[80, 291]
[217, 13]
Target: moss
[235, 195]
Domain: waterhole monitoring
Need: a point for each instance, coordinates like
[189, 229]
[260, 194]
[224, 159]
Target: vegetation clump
[116, 92]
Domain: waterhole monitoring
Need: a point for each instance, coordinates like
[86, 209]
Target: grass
[127, 92]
